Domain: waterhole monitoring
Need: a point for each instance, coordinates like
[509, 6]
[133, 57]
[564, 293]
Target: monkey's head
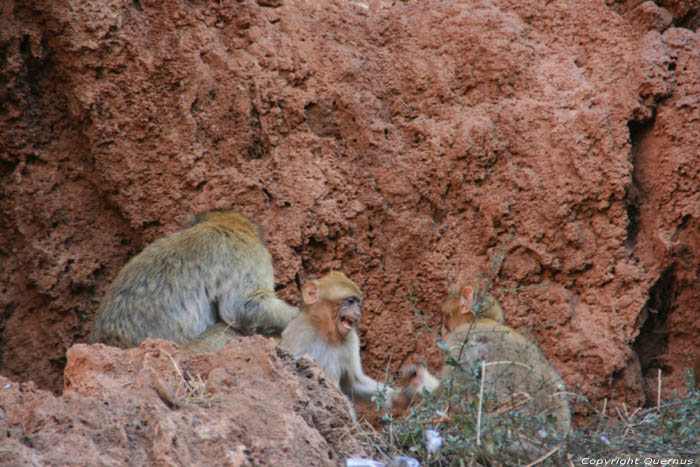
[334, 303]
[468, 305]
[413, 379]
[410, 388]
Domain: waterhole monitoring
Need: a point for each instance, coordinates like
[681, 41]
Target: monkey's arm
[365, 387]
[362, 386]
[259, 313]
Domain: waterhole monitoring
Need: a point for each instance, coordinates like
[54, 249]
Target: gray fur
[182, 284]
[515, 365]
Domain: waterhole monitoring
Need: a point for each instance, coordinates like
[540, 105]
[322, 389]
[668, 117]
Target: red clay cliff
[403, 143]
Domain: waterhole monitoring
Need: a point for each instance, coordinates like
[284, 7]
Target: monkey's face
[348, 314]
[334, 303]
[451, 315]
[413, 379]
[459, 308]
[410, 376]
[410, 387]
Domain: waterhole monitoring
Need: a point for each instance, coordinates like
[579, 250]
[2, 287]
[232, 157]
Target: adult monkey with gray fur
[215, 274]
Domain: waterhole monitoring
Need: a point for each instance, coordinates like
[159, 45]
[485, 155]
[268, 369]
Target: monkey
[217, 270]
[514, 368]
[326, 328]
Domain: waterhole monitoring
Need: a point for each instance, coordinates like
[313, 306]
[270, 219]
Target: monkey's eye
[351, 301]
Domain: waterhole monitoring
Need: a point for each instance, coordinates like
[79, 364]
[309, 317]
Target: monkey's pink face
[348, 315]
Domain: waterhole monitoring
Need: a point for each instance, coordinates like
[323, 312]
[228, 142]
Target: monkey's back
[513, 365]
[172, 289]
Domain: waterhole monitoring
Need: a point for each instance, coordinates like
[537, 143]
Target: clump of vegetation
[668, 434]
[474, 426]
[663, 435]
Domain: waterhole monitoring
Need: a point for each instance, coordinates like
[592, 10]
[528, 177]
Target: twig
[509, 362]
[177, 369]
[643, 413]
[603, 414]
[459, 361]
[442, 419]
[628, 419]
[510, 403]
[481, 401]
[658, 391]
[537, 461]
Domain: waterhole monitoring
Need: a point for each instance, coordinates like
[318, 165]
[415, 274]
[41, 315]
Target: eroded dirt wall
[403, 143]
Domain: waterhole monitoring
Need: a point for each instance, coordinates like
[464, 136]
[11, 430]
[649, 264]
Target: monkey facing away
[216, 271]
[326, 329]
[513, 365]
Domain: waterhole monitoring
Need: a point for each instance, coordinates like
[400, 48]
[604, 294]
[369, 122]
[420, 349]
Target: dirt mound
[250, 403]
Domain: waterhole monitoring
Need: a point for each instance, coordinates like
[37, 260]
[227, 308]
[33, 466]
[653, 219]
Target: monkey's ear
[311, 292]
[466, 299]
[190, 220]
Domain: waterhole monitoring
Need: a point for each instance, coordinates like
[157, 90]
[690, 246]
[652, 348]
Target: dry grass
[190, 388]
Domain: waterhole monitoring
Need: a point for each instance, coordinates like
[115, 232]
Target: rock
[250, 403]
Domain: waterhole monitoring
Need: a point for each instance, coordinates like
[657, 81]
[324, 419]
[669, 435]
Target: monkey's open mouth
[346, 324]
